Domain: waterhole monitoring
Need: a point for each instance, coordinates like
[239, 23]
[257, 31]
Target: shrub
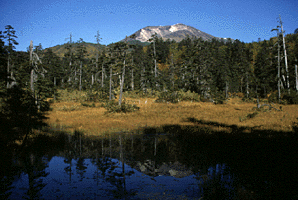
[72, 95]
[167, 96]
[248, 100]
[97, 95]
[113, 107]
[240, 95]
[248, 116]
[69, 108]
[88, 105]
[188, 96]
[132, 94]
[219, 97]
[286, 98]
[291, 98]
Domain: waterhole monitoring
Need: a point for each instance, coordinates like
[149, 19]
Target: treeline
[209, 68]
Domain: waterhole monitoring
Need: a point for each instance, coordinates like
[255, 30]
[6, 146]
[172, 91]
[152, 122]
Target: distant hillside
[60, 50]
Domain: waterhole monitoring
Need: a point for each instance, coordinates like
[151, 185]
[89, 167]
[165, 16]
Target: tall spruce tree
[9, 35]
[81, 53]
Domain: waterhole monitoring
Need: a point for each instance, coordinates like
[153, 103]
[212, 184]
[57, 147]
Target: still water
[150, 166]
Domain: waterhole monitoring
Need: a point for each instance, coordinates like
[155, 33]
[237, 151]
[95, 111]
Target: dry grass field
[72, 116]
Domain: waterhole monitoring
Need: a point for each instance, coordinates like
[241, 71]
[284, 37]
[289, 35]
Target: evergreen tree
[10, 37]
[81, 53]
[264, 71]
[3, 66]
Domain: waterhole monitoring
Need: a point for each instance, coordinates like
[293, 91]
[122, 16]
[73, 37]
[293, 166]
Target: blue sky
[50, 22]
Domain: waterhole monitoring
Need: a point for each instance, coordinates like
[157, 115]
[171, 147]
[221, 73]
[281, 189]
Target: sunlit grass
[94, 121]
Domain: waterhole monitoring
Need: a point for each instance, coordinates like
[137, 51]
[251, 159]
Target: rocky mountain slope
[175, 32]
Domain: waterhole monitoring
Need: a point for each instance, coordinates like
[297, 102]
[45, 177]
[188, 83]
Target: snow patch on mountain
[178, 27]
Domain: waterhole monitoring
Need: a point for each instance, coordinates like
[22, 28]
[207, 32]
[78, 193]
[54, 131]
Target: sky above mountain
[50, 22]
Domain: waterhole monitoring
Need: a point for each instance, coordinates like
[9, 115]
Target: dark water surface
[151, 166]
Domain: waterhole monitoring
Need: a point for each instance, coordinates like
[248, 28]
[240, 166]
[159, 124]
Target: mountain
[175, 32]
[60, 50]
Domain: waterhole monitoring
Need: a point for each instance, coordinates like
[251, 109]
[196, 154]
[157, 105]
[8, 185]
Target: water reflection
[155, 166]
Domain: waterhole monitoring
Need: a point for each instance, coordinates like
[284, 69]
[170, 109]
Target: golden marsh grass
[93, 120]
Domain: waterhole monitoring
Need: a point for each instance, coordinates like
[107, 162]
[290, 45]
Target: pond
[151, 166]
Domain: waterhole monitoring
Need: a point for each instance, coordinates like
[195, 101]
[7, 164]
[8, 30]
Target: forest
[214, 70]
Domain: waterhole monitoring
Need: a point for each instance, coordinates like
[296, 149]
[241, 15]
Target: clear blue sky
[50, 22]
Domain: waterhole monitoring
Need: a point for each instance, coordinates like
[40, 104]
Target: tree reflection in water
[131, 166]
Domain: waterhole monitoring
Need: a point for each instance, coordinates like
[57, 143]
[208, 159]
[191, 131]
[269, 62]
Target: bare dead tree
[98, 38]
[285, 54]
[296, 75]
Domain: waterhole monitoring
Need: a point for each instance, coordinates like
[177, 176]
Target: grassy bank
[70, 114]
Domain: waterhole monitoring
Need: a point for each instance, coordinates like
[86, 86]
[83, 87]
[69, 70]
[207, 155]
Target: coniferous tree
[10, 37]
[3, 66]
[53, 65]
[98, 38]
[69, 59]
[81, 52]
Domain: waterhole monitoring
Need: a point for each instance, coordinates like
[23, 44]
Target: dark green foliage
[113, 107]
[168, 97]
[291, 98]
[248, 100]
[249, 116]
[188, 96]
[19, 114]
[218, 97]
[99, 95]
[88, 105]
[286, 98]
[21, 110]
[10, 37]
[137, 42]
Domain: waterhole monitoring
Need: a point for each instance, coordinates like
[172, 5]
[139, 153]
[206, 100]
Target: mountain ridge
[175, 32]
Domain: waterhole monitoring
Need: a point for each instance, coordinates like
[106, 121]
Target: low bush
[88, 105]
[69, 108]
[99, 95]
[248, 116]
[248, 100]
[113, 107]
[291, 98]
[188, 96]
[218, 97]
[286, 98]
[168, 97]
[240, 95]
[141, 94]
[177, 96]
[72, 95]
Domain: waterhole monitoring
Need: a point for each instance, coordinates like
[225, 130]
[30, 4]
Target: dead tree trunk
[122, 83]
[279, 80]
[132, 78]
[247, 85]
[110, 97]
[296, 74]
[285, 54]
[32, 70]
[54, 88]
[102, 75]
[8, 71]
[80, 87]
[227, 89]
